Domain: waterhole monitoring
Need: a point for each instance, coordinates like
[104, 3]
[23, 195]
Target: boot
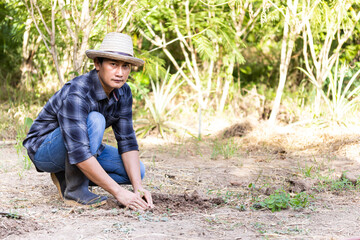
[59, 181]
[77, 188]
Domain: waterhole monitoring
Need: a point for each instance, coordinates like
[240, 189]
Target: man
[66, 137]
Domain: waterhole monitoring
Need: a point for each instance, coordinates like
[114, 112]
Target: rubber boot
[77, 188]
[59, 181]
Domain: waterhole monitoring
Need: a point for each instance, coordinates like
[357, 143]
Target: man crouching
[66, 137]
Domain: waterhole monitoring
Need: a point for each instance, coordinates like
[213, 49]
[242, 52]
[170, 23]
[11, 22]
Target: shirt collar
[98, 89]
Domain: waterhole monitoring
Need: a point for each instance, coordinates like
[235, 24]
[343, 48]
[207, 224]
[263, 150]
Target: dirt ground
[199, 194]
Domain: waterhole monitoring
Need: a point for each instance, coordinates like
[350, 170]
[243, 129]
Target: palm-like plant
[340, 99]
[158, 105]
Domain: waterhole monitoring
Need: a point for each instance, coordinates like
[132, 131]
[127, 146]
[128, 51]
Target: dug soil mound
[176, 203]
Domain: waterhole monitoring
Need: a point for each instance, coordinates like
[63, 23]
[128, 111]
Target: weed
[241, 207]
[228, 196]
[300, 200]
[231, 198]
[307, 171]
[121, 227]
[342, 95]
[341, 185]
[10, 215]
[158, 106]
[334, 184]
[153, 160]
[310, 171]
[227, 150]
[282, 200]
[276, 202]
[260, 227]
[20, 136]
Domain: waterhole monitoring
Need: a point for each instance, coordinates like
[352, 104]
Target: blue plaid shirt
[68, 109]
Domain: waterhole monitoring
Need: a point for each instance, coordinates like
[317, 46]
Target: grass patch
[226, 149]
[281, 200]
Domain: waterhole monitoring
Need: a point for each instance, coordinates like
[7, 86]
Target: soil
[198, 194]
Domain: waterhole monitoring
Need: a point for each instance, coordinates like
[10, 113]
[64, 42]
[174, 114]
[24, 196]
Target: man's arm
[132, 166]
[93, 170]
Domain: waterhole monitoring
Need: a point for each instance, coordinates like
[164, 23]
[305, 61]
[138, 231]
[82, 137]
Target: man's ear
[97, 64]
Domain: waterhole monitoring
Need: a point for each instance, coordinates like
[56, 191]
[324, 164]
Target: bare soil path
[198, 195]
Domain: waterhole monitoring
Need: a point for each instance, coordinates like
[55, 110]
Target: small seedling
[276, 202]
[300, 200]
[281, 200]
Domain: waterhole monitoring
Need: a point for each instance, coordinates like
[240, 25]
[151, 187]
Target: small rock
[299, 185]
[187, 196]
[236, 183]
[164, 219]
[195, 195]
[257, 206]
[217, 201]
[270, 190]
[349, 176]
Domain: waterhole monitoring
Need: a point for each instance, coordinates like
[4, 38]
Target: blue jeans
[50, 157]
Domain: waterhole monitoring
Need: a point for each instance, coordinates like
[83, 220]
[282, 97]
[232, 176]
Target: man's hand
[132, 166]
[93, 170]
[132, 200]
[145, 194]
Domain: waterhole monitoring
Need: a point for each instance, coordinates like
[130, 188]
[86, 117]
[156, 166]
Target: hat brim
[115, 56]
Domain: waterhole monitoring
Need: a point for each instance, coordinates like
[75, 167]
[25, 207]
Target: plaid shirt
[68, 109]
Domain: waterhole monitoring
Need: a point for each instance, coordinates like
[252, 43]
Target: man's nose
[119, 71]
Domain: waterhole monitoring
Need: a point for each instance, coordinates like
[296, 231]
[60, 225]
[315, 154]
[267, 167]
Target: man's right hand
[93, 170]
[131, 200]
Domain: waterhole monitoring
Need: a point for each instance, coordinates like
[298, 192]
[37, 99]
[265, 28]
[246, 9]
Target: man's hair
[101, 59]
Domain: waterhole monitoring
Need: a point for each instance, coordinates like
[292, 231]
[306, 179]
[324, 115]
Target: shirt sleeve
[72, 118]
[123, 128]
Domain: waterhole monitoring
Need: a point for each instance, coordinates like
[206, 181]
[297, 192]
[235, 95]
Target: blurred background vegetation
[286, 62]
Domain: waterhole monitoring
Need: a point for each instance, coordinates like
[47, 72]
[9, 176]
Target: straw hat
[117, 46]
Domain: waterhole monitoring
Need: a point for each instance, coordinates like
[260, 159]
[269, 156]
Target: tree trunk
[26, 58]
[225, 93]
[286, 51]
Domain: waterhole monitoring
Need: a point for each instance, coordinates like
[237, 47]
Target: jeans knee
[96, 119]
[96, 128]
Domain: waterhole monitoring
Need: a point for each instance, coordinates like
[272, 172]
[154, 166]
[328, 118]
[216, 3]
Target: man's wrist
[137, 186]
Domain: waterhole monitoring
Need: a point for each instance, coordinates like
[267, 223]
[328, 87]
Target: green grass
[335, 185]
[20, 136]
[226, 149]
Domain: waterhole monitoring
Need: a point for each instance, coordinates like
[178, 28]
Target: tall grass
[342, 97]
[158, 105]
[20, 136]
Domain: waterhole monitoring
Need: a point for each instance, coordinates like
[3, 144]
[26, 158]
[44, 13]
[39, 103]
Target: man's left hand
[143, 193]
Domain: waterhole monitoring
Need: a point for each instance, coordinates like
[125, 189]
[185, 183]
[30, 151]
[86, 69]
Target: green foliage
[220, 44]
[276, 202]
[300, 200]
[12, 18]
[20, 136]
[327, 183]
[282, 200]
[158, 106]
[341, 185]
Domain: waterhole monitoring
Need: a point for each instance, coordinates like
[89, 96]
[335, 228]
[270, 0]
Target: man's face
[112, 73]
